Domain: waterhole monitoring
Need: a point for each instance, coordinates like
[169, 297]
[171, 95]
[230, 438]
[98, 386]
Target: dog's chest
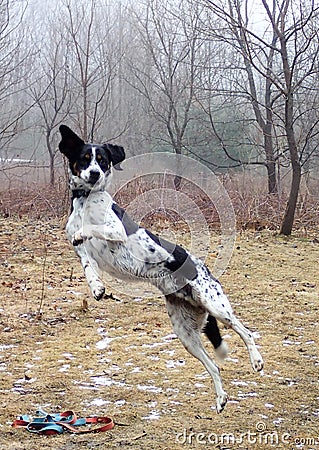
[75, 220]
[109, 257]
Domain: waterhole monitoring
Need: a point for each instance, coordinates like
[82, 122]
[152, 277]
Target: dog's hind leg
[208, 294]
[220, 308]
[247, 336]
[212, 332]
[188, 322]
[231, 321]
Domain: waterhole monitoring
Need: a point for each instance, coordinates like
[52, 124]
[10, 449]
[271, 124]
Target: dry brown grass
[253, 207]
[152, 387]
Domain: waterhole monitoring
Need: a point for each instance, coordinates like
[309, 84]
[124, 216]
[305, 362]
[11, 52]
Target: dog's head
[90, 164]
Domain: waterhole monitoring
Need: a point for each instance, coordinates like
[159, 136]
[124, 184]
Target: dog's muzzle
[94, 176]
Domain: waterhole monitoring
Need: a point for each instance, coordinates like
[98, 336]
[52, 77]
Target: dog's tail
[212, 332]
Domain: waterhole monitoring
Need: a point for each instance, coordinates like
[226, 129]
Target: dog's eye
[87, 156]
[99, 158]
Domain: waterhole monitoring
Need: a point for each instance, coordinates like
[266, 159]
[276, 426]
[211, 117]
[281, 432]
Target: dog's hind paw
[221, 401]
[258, 365]
[257, 361]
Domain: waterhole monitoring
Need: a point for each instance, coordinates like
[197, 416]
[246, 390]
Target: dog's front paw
[78, 238]
[98, 291]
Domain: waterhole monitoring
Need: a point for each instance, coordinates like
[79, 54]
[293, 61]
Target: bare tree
[95, 55]
[286, 62]
[295, 39]
[263, 108]
[166, 75]
[76, 66]
[240, 50]
[13, 56]
[51, 91]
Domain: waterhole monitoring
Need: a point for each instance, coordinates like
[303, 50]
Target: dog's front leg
[95, 284]
[103, 232]
[93, 281]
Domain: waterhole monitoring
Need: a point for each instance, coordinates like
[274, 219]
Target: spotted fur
[107, 240]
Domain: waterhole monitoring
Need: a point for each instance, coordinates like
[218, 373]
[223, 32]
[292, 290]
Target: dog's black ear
[70, 142]
[117, 154]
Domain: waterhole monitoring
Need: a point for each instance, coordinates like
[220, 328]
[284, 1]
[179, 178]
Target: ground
[119, 358]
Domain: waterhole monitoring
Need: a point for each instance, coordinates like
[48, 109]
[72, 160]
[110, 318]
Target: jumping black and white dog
[107, 240]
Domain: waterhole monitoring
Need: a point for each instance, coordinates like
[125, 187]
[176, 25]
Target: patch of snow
[104, 343]
[149, 388]
[173, 364]
[154, 415]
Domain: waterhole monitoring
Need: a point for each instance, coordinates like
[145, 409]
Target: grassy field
[119, 358]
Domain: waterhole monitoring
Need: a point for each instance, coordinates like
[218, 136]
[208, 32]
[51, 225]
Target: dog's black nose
[94, 176]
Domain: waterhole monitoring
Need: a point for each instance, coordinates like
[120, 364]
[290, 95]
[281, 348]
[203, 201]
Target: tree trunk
[272, 178]
[51, 156]
[270, 160]
[268, 132]
[52, 170]
[178, 178]
[288, 220]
